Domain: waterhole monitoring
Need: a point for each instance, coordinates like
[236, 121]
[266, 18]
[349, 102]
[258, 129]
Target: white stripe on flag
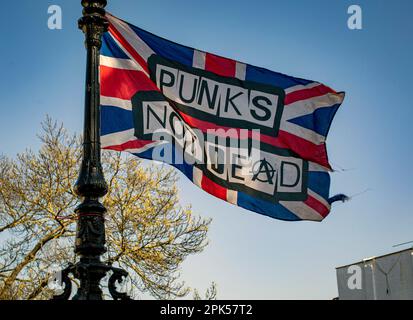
[131, 37]
[302, 132]
[124, 64]
[116, 102]
[240, 70]
[301, 87]
[312, 166]
[308, 106]
[117, 138]
[197, 177]
[319, 198]
[127, 53]
[301, 210]
[199, 59]
[232, 196]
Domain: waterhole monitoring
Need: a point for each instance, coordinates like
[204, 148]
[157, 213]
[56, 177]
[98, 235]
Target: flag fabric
[247, 135]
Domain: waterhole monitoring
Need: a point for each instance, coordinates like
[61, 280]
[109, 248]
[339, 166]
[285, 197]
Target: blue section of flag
[166, 48]
[318, 121]
[114, 119]
[111, 49]
[268, 209]
[186, 169]
[319, 182]
[145, 155]
[265, 76]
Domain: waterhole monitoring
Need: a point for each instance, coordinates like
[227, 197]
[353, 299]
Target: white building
[387, 277]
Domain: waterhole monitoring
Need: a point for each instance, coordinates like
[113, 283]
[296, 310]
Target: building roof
[376, 257]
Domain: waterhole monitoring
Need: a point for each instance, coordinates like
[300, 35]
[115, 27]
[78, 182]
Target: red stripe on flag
[307, 94]
[304, 148]
[133, 144]
[213, 188]
[317, 206]
[219, 65]
[313, 152]
[135, 55]
[123, 84]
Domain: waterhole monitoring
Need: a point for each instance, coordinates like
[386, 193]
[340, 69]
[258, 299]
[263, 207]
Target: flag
[247, 135]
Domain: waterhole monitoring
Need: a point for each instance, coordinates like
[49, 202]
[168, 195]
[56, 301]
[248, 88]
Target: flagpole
[91, 184]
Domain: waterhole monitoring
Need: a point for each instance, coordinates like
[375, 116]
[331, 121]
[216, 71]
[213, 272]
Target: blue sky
[252, 256]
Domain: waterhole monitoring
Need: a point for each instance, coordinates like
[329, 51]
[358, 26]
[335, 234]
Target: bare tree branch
[149, 233]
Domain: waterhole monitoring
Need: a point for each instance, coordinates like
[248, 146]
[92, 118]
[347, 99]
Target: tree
[149, 233]
[210, 294]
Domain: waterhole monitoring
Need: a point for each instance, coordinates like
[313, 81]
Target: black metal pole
[91, 184]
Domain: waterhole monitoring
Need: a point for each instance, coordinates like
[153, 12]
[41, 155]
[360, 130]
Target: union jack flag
[143, 76]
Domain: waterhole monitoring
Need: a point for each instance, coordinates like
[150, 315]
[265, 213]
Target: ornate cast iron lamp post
[91, 185]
